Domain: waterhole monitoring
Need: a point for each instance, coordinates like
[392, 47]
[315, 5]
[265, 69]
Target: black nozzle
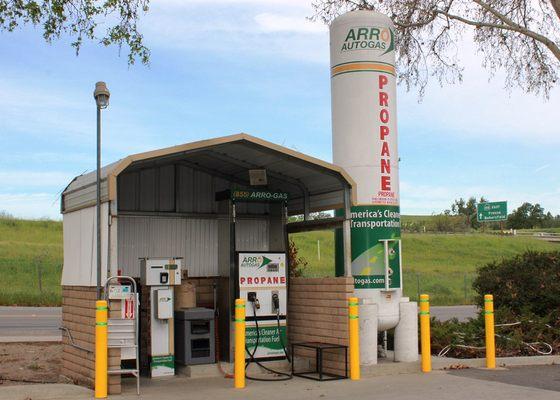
[252, 297]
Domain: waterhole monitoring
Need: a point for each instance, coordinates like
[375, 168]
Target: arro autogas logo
[369, 38]
[255, 261]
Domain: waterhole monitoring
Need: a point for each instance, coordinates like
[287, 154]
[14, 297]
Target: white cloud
[37, 109]
[481, 107]
[425, 199]
[10, 180]
[234, 28]
[31, 205]
[541, 168]
[269, 22]
[47, 157]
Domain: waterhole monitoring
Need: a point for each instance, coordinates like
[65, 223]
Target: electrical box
[160, 271]
[160, 275]
[164, 303]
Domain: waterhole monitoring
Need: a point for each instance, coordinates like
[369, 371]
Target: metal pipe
[347, 233]
[98, 202]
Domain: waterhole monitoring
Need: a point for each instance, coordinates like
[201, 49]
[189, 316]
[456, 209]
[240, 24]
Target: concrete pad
[535, 376]
[55, 391]
[438, 385]
[446, 363]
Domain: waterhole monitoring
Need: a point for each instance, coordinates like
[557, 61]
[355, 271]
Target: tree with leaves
[110, 22]
[527, 216]
[518, 37]
[467, 209]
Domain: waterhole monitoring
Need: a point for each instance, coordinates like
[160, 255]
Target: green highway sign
[491, 211]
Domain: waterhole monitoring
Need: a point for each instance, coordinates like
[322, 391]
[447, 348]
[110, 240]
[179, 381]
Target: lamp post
[101, 95]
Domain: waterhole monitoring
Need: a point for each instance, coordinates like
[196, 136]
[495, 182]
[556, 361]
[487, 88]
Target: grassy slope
[24, 245]
[437, 262]
[434, 263]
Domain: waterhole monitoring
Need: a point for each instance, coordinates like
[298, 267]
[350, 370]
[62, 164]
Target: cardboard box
[185, 295]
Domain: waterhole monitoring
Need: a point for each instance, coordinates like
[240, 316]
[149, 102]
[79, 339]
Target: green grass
[438, 264]
[24, 246]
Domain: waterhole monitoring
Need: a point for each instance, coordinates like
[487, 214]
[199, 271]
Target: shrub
[297, 264]
[526, 291]
[529, 282]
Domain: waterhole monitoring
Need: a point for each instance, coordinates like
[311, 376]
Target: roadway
[30, 324]
[35, 324]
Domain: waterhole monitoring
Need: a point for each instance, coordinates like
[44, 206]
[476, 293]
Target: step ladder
[123, 332]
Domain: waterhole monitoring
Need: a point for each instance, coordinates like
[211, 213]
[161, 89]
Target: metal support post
[489, 330]
[101, 365]
[239, 358]
[425, 333]
[354, 340]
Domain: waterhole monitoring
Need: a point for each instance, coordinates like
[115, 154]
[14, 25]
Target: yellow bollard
[239, 364]
[489, 329]
[101, 349]
[425, 344]
[354, 340]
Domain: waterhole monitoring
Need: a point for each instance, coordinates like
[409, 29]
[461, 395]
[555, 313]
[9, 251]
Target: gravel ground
[23, 363]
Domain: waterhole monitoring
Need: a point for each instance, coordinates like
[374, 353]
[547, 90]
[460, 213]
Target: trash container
[194, 336]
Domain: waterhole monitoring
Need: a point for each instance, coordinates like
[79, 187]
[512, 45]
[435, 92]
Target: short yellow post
[101, 349]
[489, 329]
[354, 340]
[426, 348]
[239, 361]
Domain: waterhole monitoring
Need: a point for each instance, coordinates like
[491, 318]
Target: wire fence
[444, 288]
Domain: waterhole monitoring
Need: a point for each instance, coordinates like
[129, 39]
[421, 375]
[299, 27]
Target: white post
[318, 250]
[368, 332]
[406, 333]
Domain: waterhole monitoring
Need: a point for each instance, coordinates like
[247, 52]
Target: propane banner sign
[270, 344]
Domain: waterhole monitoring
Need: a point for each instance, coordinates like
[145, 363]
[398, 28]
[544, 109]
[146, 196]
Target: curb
[387, 367]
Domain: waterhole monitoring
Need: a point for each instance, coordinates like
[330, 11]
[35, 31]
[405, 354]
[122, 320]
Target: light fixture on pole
[101, 96]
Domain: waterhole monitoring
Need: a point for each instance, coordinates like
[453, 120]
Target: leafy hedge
[529, 282]
[526, 291]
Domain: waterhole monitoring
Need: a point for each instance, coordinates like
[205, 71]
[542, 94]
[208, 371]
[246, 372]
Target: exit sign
[491, 211]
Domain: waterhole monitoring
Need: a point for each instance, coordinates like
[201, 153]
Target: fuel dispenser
[253, 265]
[263, 283]
[160, 274]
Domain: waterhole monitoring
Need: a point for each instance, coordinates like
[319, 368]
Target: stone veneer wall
[318, 312]
[78, 316]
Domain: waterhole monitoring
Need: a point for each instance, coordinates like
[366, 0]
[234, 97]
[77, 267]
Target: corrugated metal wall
[169, 188]
[251, 235]
[196, 240]
[182, 190]
[80, 244]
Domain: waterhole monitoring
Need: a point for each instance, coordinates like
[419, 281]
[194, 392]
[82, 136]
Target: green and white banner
[270, 344]
[369, 225]
[162, 366]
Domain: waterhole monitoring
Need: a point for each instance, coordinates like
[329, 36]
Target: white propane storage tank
[364, 123]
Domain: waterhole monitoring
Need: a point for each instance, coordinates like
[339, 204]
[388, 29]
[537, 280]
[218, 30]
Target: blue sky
[228, 66]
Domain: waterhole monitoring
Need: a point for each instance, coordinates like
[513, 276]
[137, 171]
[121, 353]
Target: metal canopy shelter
[312, 184]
